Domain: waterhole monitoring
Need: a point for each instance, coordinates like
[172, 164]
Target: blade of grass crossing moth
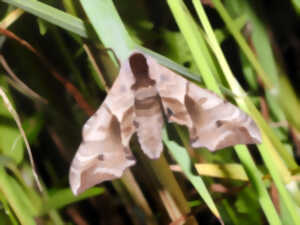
[245, 103]
[170, 64]
[108, 26]
[182, 157]
[195, 41]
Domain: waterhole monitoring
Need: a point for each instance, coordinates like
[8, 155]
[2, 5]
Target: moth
[141, 96]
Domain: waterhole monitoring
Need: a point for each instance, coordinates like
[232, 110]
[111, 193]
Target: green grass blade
[14, 198]
[61, 198]
[182, 157]
[196, 43]
[108, 26]
[52, 15]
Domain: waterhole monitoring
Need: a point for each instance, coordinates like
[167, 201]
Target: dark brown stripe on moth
[146, 103]
[148, 112]
[142, 83]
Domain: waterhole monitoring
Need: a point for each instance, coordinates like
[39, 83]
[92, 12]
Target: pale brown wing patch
[218, 124]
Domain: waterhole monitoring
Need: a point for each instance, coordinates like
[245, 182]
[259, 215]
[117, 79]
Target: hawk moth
[141, 95]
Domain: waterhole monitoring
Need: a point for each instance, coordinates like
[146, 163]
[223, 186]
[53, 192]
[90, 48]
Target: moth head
[138, 64]
[139, 67]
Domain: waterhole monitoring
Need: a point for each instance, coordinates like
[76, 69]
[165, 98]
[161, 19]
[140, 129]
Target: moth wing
[172, 90]
[120, 101]
[104, 153]
[216, 122]
[213, 122]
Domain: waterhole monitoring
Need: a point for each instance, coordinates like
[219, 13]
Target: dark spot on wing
[136, 124]
[219, 123]
[100, 157]
[169, 113]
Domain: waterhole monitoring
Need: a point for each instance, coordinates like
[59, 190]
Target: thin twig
[18, 122]
[68, 85]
